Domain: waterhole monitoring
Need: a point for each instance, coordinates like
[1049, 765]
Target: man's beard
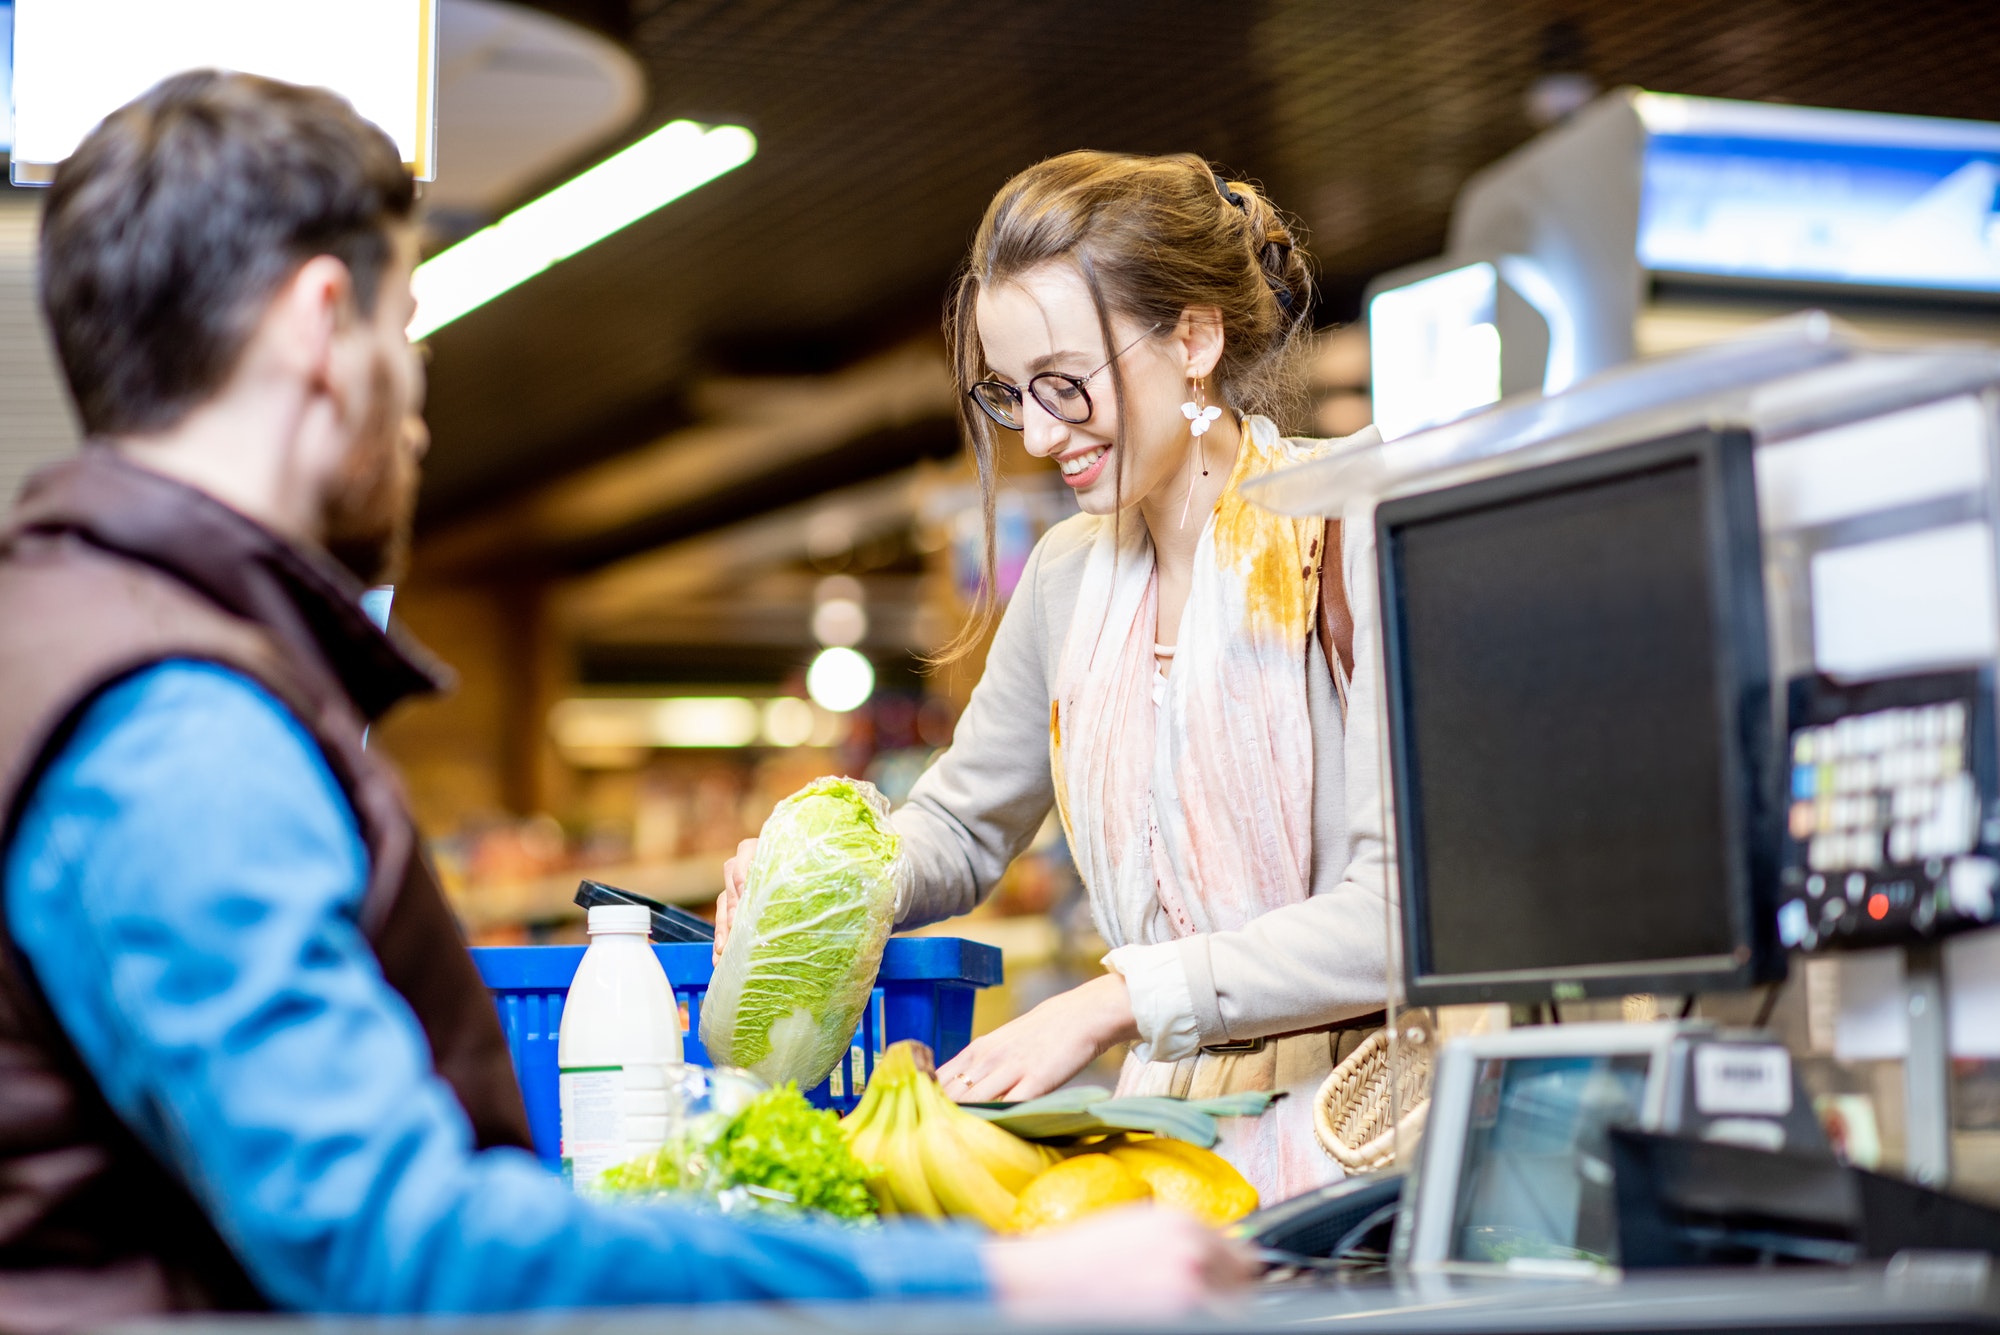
[368, 515]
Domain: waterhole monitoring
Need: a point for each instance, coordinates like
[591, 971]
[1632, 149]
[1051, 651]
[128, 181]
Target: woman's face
[1046, 321]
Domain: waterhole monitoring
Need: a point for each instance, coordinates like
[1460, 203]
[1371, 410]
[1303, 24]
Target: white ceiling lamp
[840, 680]
[666, 164]
[521, 95]
[77, 61]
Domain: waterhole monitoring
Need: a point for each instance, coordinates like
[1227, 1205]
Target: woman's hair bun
[1276, 252]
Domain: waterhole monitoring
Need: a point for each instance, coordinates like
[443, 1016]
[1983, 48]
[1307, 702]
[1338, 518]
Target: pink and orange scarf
[1196, 814]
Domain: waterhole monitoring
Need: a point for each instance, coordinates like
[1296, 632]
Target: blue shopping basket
[924, 991]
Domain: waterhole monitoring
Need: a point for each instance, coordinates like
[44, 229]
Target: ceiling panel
[884, 127]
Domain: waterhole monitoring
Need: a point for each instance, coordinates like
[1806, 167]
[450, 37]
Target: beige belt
[1372, 1020]
[1276, 1061]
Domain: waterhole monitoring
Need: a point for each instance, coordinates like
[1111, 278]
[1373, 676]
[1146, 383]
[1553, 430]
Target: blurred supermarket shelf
[549, 900]
[1024, 943]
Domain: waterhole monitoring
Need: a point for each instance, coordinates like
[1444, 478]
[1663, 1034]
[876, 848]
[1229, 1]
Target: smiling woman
[1096, 254]
[1155, 677]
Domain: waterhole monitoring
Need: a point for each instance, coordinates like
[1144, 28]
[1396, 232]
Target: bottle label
[592, 1100]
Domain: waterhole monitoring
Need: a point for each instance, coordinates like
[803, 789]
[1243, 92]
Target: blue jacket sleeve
[184, 885]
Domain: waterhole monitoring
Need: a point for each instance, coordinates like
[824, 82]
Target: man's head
[226, 237]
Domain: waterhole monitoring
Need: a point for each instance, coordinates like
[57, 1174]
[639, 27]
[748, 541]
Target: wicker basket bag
[1353, 1108]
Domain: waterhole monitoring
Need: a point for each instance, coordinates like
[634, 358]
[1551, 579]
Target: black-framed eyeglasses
[1061, 394]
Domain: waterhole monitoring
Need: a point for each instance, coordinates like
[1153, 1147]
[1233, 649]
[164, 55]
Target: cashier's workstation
[1688, 702]
[1688, 697]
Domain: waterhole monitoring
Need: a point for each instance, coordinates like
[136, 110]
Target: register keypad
[1889, 821]
[1888, 787]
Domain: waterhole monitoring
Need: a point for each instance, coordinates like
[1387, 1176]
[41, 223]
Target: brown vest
[106, 569]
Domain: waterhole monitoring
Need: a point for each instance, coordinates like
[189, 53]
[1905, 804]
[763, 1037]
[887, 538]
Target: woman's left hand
[1028, 1057]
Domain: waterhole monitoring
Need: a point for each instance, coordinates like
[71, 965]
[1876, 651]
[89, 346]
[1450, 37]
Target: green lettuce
[800, 964]
[778, 1154]
[785, 1147]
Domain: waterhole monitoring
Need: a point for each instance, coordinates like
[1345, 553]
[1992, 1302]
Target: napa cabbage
[820, 899]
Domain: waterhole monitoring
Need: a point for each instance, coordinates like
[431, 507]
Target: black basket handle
[669, 923]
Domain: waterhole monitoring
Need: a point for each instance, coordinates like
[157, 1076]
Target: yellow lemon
[1189, 1178]
[1065, 1192]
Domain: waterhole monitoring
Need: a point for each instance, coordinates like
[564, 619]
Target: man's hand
[1137, 1262]
[735, 875]
[1027, 1057]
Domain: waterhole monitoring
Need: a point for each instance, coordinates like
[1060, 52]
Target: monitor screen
[1563, 725]
[1807, 195]
[1534, 1181]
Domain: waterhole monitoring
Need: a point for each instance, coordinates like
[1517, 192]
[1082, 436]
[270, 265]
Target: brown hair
[1151, 237]
[176, 220]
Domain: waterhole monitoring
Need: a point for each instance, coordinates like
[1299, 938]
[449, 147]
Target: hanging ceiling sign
[1749, 191]
[76, 61]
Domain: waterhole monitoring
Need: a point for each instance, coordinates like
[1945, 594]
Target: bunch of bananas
[936, 1159]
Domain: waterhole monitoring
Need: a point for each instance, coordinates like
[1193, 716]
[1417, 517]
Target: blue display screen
[6, 76]
[1535, 1181]
[1876, 213]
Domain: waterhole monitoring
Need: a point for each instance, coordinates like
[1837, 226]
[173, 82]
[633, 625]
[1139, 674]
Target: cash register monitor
[1518, 1172]
[1578, 727]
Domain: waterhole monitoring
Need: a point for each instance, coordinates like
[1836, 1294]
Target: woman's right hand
[735, 875]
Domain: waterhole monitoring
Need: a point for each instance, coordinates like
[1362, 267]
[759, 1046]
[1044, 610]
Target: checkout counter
[1787, 522]
[1909, 1298]
[1688, 679]
[1689, 673]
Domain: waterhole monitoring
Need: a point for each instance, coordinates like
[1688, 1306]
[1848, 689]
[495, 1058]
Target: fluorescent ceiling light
[701, 721]
[614, 194]
[77, 61]
[588, 725]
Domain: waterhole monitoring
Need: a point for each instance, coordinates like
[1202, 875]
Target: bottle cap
[623, 919]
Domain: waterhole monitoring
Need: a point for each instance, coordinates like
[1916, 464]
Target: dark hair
[1151, 236]
[178, 217]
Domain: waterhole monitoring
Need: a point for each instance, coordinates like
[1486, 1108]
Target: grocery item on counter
[1103, 1173]
[807, 942]
[1075, 1188]
[1068, 1115]
[931, 1157]
[621, 1031]
[1185, 1177]
[742, 1147]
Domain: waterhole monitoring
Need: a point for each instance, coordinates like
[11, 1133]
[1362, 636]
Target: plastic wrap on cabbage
[801, 960]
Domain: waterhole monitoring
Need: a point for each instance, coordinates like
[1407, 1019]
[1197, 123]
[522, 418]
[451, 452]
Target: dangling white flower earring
[1200, 418]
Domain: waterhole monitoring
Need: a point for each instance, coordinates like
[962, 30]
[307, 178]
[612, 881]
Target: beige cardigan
[1300, 967]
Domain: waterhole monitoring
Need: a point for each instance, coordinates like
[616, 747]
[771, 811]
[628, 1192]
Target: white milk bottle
[621, 1029]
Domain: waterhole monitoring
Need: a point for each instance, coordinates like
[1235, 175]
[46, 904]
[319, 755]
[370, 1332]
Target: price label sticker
[1732, 1081]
